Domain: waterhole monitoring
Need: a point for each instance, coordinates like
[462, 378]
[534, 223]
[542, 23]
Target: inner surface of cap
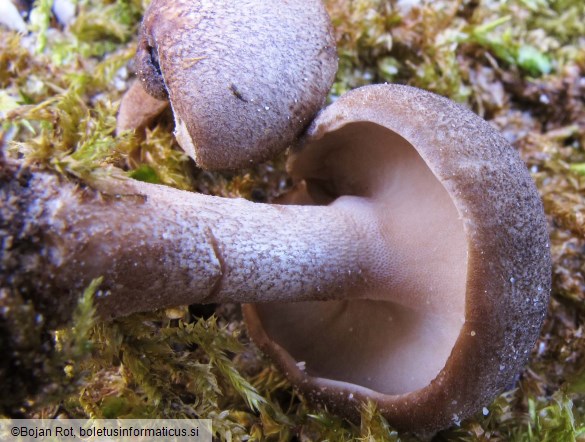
[397, 331]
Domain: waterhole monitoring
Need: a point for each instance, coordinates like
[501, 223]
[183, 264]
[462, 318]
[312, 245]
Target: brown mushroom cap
[244, 77]
[138, 108]
[450, 319]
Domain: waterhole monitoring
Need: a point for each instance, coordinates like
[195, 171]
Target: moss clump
[519, 63]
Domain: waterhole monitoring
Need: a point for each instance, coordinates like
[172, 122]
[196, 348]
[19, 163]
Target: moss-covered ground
[518, 63]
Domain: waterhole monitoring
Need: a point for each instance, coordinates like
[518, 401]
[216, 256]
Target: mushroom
[244, 78]
[418, 278]
[454, 265]
[138, 109]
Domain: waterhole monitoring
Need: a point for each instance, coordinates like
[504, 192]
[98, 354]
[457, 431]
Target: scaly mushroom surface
[244, 77]
[458, 287]
[418, 278]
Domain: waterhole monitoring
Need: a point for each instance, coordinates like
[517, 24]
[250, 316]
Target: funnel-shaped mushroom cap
[244, 77]
[454, 297]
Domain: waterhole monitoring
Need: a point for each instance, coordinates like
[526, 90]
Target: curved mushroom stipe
[469, 270]
[244, 77]
[419, 279]
[159, 247]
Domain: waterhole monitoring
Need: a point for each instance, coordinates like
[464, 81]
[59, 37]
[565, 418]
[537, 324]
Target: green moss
[145, 173]
[519, 63]
[40, 18]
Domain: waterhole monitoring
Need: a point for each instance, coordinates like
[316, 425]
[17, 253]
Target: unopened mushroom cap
[449, 317]
[244, 77]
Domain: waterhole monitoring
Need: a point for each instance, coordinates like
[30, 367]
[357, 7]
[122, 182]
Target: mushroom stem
[159, 247]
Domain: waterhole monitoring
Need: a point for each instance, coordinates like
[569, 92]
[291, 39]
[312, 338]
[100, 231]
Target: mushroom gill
[397, 330]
